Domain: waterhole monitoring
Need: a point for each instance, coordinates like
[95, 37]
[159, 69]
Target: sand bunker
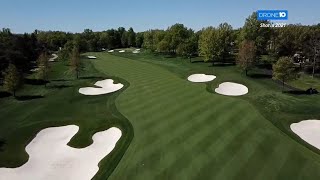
[135, 52]
[53, 58]
[232, 89]
[111, 51]
[92, 57]
[51, 158]
[35, 69]
[201, 78]
[122, 51]
[106, 86]
[309, 131]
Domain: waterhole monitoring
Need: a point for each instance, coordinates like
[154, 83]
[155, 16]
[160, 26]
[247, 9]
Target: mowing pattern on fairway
[181, 131]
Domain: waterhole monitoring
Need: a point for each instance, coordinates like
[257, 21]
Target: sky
[76, 15]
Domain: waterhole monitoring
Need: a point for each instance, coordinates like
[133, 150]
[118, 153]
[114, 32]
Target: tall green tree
[131, 38]
[139, 39]
[148, 42]
[75, 62]
[226, 39]
[44, 67]
[252, 31]
[189, 47]
[209, 46]
[246, 56]
[284, 70]
[178, 33]
[12, 79]
[312, 47]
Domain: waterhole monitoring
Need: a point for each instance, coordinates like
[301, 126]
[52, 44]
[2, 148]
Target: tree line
[244, 46]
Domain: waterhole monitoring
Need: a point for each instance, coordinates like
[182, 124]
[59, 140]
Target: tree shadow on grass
[222, 64]
[260, 76]
[59, 86]
[35, 81]
[60, 80]
[299, 92]
[4, 94]
[2, 144]
[92, 77]
[197, 61]
[27, 98]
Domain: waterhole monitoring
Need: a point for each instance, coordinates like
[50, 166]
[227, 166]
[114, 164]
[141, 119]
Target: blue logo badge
[272, 15]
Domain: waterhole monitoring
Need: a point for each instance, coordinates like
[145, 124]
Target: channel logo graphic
[272, 15]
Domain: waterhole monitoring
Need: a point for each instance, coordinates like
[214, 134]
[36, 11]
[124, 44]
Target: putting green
[181, 131]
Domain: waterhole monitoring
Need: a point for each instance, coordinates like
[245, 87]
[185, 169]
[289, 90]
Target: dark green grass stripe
[255, 162]
[291, 167]
[226, 146]
[155, 119]
[138, 104]
[277, 154]
[160, 121]
[178, 128]
[171, 145]
[159, 88]
[166, 125]
[191, 140]
[310, 171]
[221, 136]
[152, 110]
[198, 139]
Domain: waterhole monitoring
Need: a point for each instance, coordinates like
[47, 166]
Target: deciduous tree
[284, 70]
[43, 65]
[252, 31]
[247, 56]
[75, 63]
[209, 46]
[12, 79]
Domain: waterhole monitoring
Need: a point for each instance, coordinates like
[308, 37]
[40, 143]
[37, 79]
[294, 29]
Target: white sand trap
[122, 51]
[35, 69]
[92, 57]
[232, 89]
[309, 131]
[135, 52]
[106, 86]
[201, 78]
[50, 157]
[137, 49]
[110, 51]
[53, 58]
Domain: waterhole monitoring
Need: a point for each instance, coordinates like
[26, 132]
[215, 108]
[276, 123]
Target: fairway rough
[105, 86]
[309, 131]
[231, 89]
[50, 157]
[201, 78]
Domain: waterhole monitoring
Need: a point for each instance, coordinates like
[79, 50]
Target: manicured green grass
[184, 131]
[306, 81]
[61, 105]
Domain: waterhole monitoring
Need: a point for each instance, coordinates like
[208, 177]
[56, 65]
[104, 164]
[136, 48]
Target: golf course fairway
[182, 131]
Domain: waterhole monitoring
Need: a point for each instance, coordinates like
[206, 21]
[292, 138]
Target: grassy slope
[306, 81]
[184, 132]
[61, 105]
